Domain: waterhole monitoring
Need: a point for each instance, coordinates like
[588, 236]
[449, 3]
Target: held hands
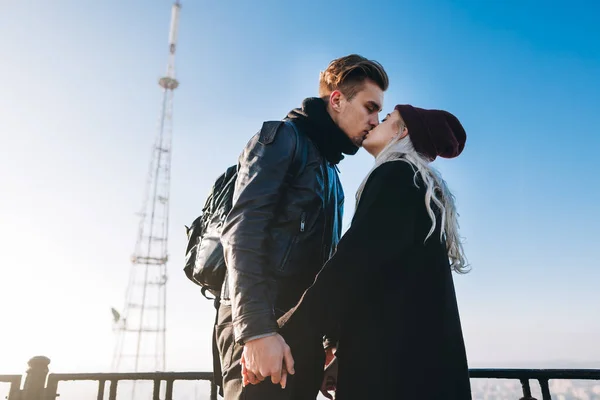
[264, 357]
[271, 356]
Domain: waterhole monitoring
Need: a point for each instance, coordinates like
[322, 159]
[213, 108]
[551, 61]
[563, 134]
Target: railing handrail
[132, 376]
[40, 384]
[475, 373]
[526, 373]
[10, 378]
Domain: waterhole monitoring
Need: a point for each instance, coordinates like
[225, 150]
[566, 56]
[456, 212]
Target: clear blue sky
[79, 109]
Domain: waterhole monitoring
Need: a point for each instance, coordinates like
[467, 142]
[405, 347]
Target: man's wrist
[264, 335]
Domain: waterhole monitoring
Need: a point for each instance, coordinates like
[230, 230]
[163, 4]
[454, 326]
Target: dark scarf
[314, 120]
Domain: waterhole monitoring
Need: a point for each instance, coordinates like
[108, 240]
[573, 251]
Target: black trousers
[309, 359]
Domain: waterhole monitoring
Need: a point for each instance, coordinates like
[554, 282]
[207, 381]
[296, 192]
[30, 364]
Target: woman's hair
[437, 193]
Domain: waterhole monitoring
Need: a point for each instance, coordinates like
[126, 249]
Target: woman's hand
[330, 379]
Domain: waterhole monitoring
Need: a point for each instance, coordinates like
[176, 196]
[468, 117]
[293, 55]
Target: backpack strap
[204, 289]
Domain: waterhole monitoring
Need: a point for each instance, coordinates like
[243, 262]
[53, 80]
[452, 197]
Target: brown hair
[347, 74]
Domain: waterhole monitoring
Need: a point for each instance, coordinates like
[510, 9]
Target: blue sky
[79, 111]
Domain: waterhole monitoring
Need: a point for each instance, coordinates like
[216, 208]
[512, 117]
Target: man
[285, 223]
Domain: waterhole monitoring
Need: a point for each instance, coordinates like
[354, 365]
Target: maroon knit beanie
[433, 132]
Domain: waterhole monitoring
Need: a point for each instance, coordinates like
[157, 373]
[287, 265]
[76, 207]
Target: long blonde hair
[437, 193]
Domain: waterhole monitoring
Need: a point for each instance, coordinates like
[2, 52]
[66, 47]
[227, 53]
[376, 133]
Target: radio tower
[141, 327]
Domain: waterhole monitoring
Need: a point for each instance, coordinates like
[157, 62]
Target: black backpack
[204, 259]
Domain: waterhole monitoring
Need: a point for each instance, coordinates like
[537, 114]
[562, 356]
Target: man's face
[356, 117]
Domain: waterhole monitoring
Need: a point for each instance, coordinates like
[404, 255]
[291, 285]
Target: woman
[389, 288]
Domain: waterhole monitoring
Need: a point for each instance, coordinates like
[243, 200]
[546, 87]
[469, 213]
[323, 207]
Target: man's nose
[374, 122]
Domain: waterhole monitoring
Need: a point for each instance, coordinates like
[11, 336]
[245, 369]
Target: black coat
[393, 296]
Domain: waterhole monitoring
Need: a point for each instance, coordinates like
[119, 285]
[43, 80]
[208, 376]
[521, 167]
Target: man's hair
[348, 74]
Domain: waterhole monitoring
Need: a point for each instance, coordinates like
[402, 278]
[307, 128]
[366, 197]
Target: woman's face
[384, 133]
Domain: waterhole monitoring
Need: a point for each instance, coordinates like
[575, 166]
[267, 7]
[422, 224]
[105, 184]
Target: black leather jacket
[285, 223]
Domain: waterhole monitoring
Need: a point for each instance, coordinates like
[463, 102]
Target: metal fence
[40, 385]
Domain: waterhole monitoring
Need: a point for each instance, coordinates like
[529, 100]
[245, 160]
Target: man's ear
[335, 100]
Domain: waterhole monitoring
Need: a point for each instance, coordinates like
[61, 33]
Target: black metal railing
[15, 384]
[158, 378]
[40, 385]
[543, 376]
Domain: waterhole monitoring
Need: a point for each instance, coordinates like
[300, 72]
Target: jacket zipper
[324, 255]
[303, 222]
[293, 241]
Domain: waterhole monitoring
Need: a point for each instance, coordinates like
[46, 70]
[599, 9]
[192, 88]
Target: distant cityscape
[496, 389]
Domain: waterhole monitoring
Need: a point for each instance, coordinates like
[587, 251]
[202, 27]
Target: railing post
[526, 390]
[15, 390]
[35, 382]
[213, 390]
[545, 389]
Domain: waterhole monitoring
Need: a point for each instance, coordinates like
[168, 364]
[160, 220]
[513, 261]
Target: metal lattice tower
[141, 327]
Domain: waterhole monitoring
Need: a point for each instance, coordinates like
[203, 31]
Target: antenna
[141, 326]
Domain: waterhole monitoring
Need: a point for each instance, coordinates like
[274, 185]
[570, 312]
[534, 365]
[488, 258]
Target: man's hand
[264, 357]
